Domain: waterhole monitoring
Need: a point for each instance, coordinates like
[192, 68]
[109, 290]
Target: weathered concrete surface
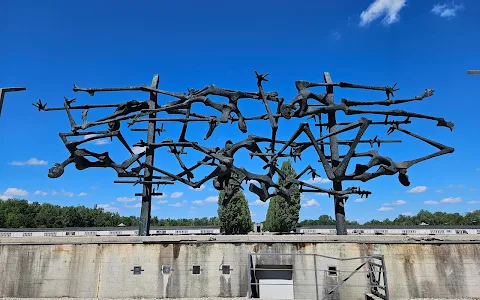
[100, 267]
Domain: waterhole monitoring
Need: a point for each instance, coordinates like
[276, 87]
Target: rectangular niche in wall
[196, 270]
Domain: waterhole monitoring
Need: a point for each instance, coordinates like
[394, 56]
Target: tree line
[233, 215]
[422, 217]
[17, 213]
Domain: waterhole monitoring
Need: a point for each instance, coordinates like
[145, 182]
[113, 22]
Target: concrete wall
[102, 267]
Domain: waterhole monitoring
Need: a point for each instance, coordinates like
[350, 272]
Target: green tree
[234, 214]
[283, 214]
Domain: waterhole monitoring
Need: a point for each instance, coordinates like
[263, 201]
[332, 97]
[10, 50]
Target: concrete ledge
[367, 239]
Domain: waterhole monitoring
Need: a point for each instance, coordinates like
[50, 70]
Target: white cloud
[31, 162]
[418, 189]
[108, 207]
[252, 214]
[5, 198]
[389, 9]
[179, 204]
[439, 191]
[126, 199]
[451, 200]
[211, 199]
[82, 194]
[176, 195]
[99, 141]
[162, 201]
[154, 207]
[199, 189]
[138, 150]
[408, 214]
[68, 194]
[385, 204]
[399, 202]
[322, 194]
[258, 202]
[160, 197]
[473, 190]
[310, 203]
[317, 180]
[478, 169]
[383, 208]
[14, 192]
[431, 202]
[360, 200]
[41, 193]
[453, 186]
[473, 202]
[138, 205]
[446, 10]
[253, 181]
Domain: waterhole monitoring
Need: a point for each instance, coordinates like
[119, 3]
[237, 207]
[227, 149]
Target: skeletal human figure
[78, 157]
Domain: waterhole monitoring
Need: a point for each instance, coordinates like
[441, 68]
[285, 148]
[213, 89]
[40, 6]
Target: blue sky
[47, 46]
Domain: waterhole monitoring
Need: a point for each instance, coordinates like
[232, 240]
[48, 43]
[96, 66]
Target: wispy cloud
[458, 186]
[175, 195]
[439, 191]
[408, 214]
[418, 189]
[451, 200]
[252, 214]
[473, 189]
[317, 180]
[399, 202]
[473, 202]
[63, 193]
[386, 204]
[109, 208]
[41, 193]
[31, 162]
[199, 189]
[445, 200]
[126, 199]
[98, 141]
[360, 200]
[162, 201]
[82, 194]
[211, 199]
[389, 9]
[322, 194]
[385, 208]
[310, 203]
[178, 204]
[445, 10]
[160, 197]
[335, 35]
[258, 202]
[138, 205]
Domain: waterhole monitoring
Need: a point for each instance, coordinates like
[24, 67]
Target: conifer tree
[283, 214]
[234, 214]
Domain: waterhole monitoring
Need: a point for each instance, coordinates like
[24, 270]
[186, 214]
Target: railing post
[316, 276]
[387, 295]
[249, 276]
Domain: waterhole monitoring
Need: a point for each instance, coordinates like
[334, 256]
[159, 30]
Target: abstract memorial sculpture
[227, 175]
[10, 89]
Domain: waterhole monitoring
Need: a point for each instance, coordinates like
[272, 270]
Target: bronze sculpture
[226, 174]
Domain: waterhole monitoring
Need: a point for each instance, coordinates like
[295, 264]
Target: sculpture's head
[403, 177]
[55, 171]
[287, 110]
